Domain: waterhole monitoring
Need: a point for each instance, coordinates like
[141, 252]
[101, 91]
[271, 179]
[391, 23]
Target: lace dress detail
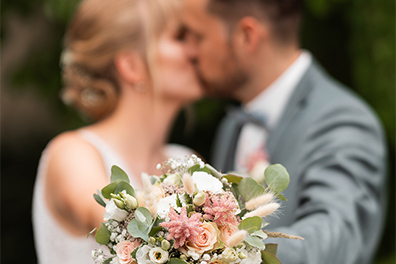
[53, 243]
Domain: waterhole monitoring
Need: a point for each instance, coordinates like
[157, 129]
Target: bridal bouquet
[190, 214]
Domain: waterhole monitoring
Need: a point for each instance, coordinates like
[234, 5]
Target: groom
[292, 113]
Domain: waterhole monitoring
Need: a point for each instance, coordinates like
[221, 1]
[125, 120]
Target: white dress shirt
[270, 103]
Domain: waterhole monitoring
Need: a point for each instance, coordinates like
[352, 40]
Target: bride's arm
[75, 172]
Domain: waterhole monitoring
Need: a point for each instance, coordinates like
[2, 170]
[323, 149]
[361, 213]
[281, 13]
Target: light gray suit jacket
[333, 148]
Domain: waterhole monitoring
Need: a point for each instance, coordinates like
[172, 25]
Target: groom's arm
[340, 211]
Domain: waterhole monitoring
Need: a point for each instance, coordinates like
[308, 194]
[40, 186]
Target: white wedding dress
[53, 243]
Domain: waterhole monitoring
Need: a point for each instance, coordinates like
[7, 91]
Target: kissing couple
[132, 65]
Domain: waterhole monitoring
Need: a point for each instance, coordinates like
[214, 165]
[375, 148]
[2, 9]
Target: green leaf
[176, 261]
[118, 174]
[251, 224]
[145, 213]
[233, 178]
[110, 188]
[280, 196]
[107, 261]
[260, 234]
[269, 258]
[178, 201]
[196, 167]
[138, 229]
[213, 171]
[99, 200]
[271, 248]
[102, 236]
[92, 231]
[121, 186]
[276, 177]
[254, 241]
[155, 230]
[249, 189]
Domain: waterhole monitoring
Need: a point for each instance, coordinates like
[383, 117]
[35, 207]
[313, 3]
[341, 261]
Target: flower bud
[131, 202]
[119, 204]
[152, 240]
[199, 199]
[241, 255]
[183, 257]
[165, 245]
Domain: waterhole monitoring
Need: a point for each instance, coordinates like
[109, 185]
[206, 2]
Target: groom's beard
[225, 86]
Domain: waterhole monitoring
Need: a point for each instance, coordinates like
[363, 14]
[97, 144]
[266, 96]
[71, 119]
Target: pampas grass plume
[263, 210]
[236, 238]
[188, 183]
[259, 201]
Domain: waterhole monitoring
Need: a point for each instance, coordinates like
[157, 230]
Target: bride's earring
[140, 87]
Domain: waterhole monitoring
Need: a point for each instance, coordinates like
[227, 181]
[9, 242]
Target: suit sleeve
[340, 210]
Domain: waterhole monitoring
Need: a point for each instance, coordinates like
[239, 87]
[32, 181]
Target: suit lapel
[293, 107]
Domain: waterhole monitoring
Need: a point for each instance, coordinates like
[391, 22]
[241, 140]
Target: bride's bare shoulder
[69, 151]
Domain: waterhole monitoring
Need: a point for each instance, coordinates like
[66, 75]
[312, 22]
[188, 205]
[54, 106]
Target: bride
[124, 67]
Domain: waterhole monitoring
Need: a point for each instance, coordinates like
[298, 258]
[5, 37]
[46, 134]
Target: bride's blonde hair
[98, 30]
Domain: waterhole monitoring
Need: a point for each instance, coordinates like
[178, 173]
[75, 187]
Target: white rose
[158, 255]
[165, 204]
[206, 182]
[113, 212]
[142, 255]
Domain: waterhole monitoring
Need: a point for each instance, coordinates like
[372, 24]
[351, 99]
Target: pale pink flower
[124, 250]
[206, 240]
[221, 209]
[182, 228]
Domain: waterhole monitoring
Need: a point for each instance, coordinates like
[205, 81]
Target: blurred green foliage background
[353, 39]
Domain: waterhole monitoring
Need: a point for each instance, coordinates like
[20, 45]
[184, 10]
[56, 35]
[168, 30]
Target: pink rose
[206, 240]
[124, 250]
[226, 232]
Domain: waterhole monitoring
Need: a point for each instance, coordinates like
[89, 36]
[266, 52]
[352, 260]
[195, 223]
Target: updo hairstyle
[97, 32]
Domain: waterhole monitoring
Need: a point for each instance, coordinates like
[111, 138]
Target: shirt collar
[273, 99]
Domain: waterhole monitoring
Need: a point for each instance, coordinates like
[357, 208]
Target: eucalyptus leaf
[249, 189]
[276, 177]
[118, 174]
[137, 229]
[121, 186]
[269, 258]
[260, 234]
[146, 214]
[233, 178]
[110, 188]
[254, 241]
[140, 217]
[176, 261]
[271, 248]
[102, 236]
[251, 224]
[99, 200]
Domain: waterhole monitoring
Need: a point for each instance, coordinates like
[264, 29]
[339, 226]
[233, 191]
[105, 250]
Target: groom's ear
[249, 34]
[130, 66]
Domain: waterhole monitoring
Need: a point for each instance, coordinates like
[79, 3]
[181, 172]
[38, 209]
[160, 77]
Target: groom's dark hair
[283, 15]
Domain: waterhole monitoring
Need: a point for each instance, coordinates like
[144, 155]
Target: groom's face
[209, 46]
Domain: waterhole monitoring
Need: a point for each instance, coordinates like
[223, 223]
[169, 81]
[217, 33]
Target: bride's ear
[130, 66]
